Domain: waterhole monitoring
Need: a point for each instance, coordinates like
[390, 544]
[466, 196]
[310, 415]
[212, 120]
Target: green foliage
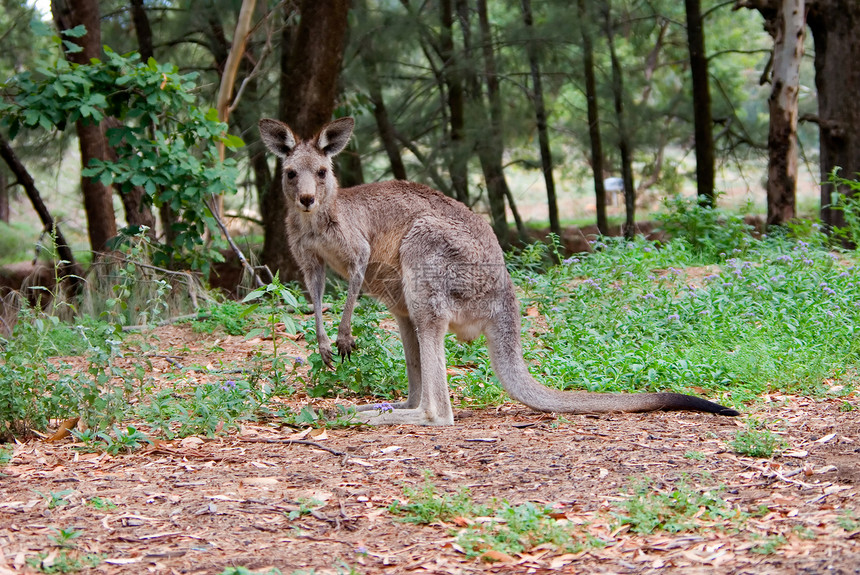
[6, 452]
[64, 537]
[64, 562]
[768, 545]
[101, 504]
[121, 441]
[165, 144]
[246, 571]
[192, 409]
[425, 505]
[712, 234]
[56, 499]
[848, 521]
[847, 201]
[757, 443]
[681, 509]
[377, 368]
[632, 316]
[517, 529]
[231, 317]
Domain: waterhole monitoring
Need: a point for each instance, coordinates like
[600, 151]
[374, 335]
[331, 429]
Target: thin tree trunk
[458, 153]
[98, 200]
[497, 184]
[540, 115]
[309, 90]
[623, 136]
[383, 122]
[702, 121]
[4, 198]
[142, 29]
[137, 212]
[834, 25]
[788, 31]
[231, 66]
[485, 143]
[68, 267]
[593, 119]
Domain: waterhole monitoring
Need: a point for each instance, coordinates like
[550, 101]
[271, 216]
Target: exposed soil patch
[200, 505]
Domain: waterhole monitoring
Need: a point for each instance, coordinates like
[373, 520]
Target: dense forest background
[537, 113]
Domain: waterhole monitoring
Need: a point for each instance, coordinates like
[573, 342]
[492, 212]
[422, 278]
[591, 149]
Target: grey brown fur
[435, 264]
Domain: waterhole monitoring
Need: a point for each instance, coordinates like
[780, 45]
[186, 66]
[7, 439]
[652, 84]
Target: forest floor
[201, 505]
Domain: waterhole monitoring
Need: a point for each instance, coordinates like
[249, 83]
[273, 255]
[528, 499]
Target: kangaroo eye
[321, 173]
[291, 174]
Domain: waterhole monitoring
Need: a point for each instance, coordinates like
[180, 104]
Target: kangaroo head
[307, 167]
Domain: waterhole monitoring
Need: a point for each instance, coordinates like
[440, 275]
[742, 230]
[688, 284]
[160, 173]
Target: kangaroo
[435, 264]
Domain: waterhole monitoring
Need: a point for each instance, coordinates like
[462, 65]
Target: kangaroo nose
[306, 201]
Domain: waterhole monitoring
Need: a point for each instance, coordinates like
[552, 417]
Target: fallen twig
[299, 442]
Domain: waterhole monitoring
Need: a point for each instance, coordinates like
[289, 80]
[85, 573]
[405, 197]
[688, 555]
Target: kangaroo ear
[278, 137]
[334, 137]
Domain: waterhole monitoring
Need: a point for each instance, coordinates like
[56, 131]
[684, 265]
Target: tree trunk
[593, 119]
[540, 115]
[348, 165]
[142, 29]
[834, 25]
[383, 122]
[458, 152]
[788, 31]
[497, 184]
[98, 200]
[4, 198]
[702, 121]
[485, 143]
[623, 136]
[309, 87]
[137, 212]
[67, 266]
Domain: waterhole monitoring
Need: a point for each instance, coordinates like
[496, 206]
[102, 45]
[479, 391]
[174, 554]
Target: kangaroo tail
[507, 359]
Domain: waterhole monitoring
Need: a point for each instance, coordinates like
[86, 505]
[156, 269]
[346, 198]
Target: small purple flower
[361, 550]
[808, 261]
[785, 258]
[844, 275]
[647, 249]
[675, 271]
[229, 385]
[760, 288]
[777, 278]
[384, 407]
[673, 317]
[649, 296]
[299, 362]
[569, 261]
[711, 277]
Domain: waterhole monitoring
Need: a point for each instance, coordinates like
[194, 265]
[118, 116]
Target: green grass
[632, 317]
[505, 528]
[649, 509]
[757, 443]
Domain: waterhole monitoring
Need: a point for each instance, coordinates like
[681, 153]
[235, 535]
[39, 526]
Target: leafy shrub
[165, 145]
[376, 368]
[681, 509]
[711, 233]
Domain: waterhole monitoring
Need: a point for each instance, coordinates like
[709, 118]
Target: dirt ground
[200, 505]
